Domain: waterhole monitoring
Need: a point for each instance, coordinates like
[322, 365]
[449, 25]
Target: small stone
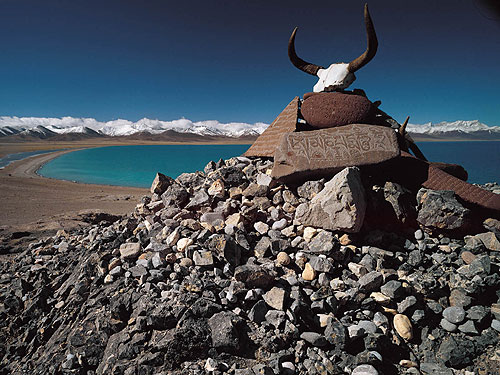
[380, 298]
[279, 225]
[489, 240]
[258, 312]
[288, 368]
[468, 328]
[406, 304]
[309, 273]
[275, 317]
[130, 250]
[309, 233]
[173, 237]
[211, 364]
[454, 314]
[217, 189]
[203, 258]
[345, 239]
[171, 258]
[183, 244]
[364, 370]
[261, 227]
[371, 281]
[495, 324]
[468, 257]
[264, 179]
[314, 338]
[448, 326]
[108, 279]
[282, 259]
[419, 235]
[160, 184]
[393, 289]
[275, 298]
[403, 326]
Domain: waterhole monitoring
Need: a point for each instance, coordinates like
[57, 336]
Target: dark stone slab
[322, 152]
[265, 145]
[332, 109]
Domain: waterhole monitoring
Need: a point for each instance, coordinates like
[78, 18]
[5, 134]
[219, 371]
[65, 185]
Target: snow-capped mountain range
[43, 128]
[50, 126]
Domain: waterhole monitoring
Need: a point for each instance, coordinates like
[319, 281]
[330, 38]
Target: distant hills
[23, 129]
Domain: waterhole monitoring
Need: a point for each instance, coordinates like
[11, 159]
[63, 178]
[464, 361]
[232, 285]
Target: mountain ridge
[26, 128]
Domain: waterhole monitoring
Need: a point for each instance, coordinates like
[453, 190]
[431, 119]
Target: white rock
[183, 244]
[261, 227]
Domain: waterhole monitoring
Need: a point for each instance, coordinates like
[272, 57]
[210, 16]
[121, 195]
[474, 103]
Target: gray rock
[130, 250]
[321, 264]
[495, 324]
[419, 235]
[440, 209]
[340, 205]
[203, 258]
[428, 368]
[200, 199]
[456, 351]
[264, 179]
[224, 333]
[258, 312]
[371, 281]
[275, 317]
[280, 224]
[314, 338]
[454, 314]
[254, 276]
[310, 189]
[175, 195]
[368, 326]
[364, 370]
[322, 243]
[468, 327]
[406, 304]
[477, 313]
[335, 333]
[448, 326]
[393, 289]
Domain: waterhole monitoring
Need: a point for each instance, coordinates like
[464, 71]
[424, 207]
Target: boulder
[339, 206]
[331, 109]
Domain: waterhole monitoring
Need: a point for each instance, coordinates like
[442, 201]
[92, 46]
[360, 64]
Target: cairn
[327, 249]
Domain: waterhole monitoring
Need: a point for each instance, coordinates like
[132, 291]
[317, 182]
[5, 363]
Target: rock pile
[227, 272]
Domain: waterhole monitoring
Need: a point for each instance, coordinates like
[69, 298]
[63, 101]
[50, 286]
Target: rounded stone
[454, 314]
[364, 370]
[332, 109]
[419, 235]
[403, 326]
[448, 326]
[282, 259]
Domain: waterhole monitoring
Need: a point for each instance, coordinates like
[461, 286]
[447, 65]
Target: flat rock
[454, 314]
[130, 250]
[321, 153]
[275, 298]
[489, 240]
[340, 205]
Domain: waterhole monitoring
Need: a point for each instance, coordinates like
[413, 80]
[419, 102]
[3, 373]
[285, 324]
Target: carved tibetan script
[334, 148]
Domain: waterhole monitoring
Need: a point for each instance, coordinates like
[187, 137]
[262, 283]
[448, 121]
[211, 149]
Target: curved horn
[371, 48]
[297, 61]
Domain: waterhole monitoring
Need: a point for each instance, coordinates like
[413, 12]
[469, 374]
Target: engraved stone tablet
[322, 152]
[265, 145]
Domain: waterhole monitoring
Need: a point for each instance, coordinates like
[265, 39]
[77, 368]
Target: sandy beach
[33, 203]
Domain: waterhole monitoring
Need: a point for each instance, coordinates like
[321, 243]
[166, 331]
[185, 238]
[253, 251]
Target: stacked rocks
[227, 272]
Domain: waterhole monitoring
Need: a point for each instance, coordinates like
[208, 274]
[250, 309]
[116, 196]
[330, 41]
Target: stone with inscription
[324, 152]
[265, 144]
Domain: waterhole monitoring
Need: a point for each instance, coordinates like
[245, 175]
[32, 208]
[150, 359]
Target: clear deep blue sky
[227, 60]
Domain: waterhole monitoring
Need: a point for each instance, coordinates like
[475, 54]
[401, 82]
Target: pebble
[309, 273]
[283, 259]
[261, 227]
[454, 314]
[403, 326]
[364, 370]
[448, 326]
[183, 244]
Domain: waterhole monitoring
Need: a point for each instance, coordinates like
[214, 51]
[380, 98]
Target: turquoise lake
[138, 165]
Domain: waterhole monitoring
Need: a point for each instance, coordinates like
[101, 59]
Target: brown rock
[160, 184]
[403, 326]
[331, 109]
[468, 257]
[265, 145]
[324, 152]
[309, 273]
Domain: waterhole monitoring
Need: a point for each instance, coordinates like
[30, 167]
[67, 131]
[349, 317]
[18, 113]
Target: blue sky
[227, 60]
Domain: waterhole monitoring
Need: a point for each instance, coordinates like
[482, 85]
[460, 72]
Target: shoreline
[33, 203]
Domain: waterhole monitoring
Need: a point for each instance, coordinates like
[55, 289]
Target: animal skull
[337, 76]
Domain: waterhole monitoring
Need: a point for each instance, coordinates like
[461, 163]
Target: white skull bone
[335, 77]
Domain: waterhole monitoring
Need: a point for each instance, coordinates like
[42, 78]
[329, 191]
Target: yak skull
[337, 76]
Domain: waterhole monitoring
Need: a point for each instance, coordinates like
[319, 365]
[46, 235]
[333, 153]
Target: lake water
[7, 159]
[138, 165]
